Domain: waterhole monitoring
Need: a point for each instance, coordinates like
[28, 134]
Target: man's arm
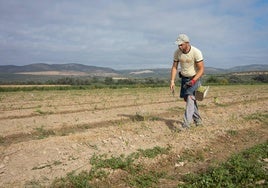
[173, 74]
[200, 70]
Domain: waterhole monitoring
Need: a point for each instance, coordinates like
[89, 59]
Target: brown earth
[47, 134]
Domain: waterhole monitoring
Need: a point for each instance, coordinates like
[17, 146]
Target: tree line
[221, 79]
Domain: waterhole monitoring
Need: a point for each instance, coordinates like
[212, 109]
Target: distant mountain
[246, 68]
[83, 70]
[40, 67]
[208, 70]
[212, 70]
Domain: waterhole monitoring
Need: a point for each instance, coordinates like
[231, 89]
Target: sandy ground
[47, 134]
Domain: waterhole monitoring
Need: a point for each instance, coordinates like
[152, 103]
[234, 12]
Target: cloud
[131, 34]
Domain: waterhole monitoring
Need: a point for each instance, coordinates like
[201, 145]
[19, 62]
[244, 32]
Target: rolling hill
[59, 70]
[38, 67]
[41, 67]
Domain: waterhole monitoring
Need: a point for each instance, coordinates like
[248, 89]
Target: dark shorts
[188, 90]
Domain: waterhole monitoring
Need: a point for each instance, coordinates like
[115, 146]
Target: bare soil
[47, 134]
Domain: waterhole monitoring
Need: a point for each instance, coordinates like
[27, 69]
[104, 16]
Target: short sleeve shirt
[188, 61]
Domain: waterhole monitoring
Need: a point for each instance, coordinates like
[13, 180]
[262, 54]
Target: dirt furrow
[47, 111]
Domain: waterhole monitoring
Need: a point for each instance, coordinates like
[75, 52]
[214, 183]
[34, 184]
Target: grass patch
[146, 179]
[192, 156]
[232, 132]
[136, 174]
[152, 153]
[2, 140]
[247, 169]
[42, 133]
[39, 111]
[261, 117]
[121, 162]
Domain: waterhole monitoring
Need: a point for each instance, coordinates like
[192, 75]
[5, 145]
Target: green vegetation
[262, 117]
[68, 83]
[247, 169]
[83, 83]
[232, 132]
[192, 156]
[41, 112]
[236, 78]
[152, 153]
[42, 133]
[135, 174]
[2, 140]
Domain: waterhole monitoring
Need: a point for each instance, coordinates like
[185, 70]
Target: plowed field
[47, 134]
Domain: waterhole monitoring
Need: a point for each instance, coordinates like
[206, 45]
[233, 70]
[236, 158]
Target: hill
[42, 67]
[247, 68]
[41, 71]
[160, 73]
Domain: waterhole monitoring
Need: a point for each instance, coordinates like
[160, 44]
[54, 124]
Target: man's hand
[172, 85]
[190, 83]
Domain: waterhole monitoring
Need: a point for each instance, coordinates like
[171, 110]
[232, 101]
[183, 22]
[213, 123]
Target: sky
[132, 34]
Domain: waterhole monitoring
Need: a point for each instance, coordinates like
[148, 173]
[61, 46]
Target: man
[192, 69]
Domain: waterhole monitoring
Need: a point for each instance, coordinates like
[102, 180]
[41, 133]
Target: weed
[232, 132]
[139, 117]
[39, 111]
[154, 118]
[2, 139]
[192, 156]
[72, 158]
[33, 184]
[72, 180]
[152, 153]
[246, 169]
[262, 117]
[42, 133]
[146, 179]
[1, 98]
[137, 176]
[126, 143]
[233, 118]
[121, 162]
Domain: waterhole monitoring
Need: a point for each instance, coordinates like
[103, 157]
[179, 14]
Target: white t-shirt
[188, 61]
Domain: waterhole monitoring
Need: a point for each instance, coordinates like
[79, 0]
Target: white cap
[182, 39]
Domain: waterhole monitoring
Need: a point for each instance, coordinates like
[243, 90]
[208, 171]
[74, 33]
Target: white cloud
[131, 34]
